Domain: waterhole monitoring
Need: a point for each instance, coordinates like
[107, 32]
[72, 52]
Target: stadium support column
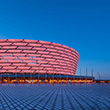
[0, 78]
[31, 77]
[60, 76]
[46, 77]
[67, 79]
[16, 77]
[53, 75]
[38, 77]
[23, 78]
[8, 77]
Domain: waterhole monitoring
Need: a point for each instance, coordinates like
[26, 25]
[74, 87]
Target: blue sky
[81, 24]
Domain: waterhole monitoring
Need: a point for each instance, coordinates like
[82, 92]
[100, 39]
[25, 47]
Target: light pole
[86, 76]
[92, 75]
[99, 76]
[73, 78]
[80, 75]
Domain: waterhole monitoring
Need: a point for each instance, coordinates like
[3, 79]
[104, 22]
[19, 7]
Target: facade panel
[32, 56]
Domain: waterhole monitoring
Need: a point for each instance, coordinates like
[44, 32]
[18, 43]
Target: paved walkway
[55, 97]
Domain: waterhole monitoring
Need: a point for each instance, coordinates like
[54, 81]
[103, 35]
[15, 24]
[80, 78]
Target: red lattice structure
[33, 56]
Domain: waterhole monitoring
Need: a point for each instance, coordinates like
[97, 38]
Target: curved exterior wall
[32, 56]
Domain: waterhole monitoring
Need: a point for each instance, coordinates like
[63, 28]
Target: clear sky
[81, 24]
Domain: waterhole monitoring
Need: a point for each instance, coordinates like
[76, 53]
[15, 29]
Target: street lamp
[73, 77]
[99, 75]
[92, 75]
[86, 76]
[80, 75]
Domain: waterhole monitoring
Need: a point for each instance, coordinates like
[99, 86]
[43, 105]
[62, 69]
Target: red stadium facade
[31, 56]
[27, 59]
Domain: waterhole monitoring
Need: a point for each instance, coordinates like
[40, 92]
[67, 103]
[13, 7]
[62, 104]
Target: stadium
[34, 61]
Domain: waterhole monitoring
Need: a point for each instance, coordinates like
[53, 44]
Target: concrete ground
[55, 97]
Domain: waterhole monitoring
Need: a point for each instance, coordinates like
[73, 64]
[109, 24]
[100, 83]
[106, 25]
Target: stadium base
[43, 78]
